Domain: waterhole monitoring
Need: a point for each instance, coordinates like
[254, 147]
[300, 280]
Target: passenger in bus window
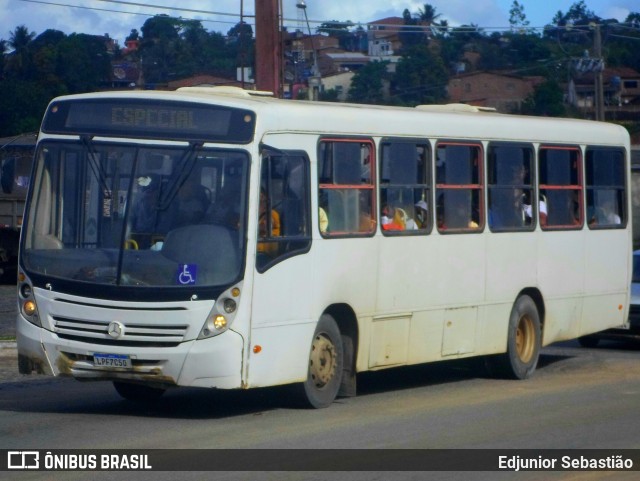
[146, 217]
[267, 247]
[192, 202]
[563, 207]
[398, 222]
[528, 211]
[605, 212]
[387, 215]
[422, 214]
[226, 208]
[323, 220]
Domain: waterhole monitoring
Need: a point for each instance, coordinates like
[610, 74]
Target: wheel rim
[322, 363]
[525, 339]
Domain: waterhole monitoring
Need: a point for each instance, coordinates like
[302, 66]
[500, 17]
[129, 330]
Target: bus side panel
[511, 267]
[561, 273]
[417, 280]
[345, 271]
[608, 277]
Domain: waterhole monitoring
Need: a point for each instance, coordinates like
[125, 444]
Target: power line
[179, 9]
[418, 29]
[143, 14]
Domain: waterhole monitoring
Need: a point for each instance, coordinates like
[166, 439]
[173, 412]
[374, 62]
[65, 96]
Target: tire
[523, 342]
[326, 362]
[137, 392]
[588, 341]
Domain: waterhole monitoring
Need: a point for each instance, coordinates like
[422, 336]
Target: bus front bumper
[215, 362]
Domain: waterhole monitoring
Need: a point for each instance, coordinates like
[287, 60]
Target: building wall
[503, 92]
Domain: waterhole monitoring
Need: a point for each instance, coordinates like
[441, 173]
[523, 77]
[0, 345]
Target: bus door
[282, 296]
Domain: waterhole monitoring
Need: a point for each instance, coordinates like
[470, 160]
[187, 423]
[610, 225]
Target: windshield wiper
[95, 166]
[184, 167]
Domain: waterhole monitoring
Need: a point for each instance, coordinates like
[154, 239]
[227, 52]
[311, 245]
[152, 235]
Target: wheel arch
[535, 294]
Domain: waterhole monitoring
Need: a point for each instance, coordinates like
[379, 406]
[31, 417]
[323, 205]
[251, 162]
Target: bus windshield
[127, 215]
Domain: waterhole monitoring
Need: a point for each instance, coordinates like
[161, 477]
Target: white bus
[219, 238]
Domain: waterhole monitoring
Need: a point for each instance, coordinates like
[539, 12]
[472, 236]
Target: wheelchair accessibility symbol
[187, 274]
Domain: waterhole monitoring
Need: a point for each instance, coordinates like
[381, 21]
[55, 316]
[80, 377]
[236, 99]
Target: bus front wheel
[137, 392]
[523, 342]
[326, 360]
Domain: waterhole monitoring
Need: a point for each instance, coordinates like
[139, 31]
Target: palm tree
[428, 15]
[19, 41]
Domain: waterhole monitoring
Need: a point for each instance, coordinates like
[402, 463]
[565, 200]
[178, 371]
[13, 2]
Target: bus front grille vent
[120, 333]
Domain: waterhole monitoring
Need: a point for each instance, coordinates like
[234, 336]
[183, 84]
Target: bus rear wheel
[137, 392]
[523, 342]
[326, 361]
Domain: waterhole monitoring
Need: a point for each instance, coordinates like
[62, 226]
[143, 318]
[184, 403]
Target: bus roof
[454, 121]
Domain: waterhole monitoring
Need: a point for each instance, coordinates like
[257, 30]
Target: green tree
[83, 62]
[366, 84]
[159, 48]
[546, 100]
[241, 44]
[20, 40]
[412, 34]
[517, 18]
[428, 15]
[421, 77]
[339, 30]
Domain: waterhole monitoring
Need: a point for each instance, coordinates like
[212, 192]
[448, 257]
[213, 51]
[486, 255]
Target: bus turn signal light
[257, 348]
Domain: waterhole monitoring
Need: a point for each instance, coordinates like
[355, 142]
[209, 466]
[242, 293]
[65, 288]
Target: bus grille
[97, 332]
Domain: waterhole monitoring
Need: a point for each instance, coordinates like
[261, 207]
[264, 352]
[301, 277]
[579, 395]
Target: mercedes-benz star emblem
[115, 329]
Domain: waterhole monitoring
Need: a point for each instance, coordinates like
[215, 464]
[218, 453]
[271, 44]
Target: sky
[118, 18]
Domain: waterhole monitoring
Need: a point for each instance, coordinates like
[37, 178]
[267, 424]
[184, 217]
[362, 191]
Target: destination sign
[150, 119]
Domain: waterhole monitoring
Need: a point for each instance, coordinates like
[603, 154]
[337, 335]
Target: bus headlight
[26, 301]
[221, 316]
[29, 308]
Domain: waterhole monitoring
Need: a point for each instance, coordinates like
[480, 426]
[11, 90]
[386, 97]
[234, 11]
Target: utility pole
[268, 47]
[599, 89]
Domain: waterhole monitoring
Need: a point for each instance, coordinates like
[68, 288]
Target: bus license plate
[112, 360]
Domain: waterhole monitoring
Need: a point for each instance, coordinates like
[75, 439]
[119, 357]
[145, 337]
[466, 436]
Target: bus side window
[404, 187]
[605, 184]
[346, 191]
[459, 188]
[561, 187]
[283, 212]
[510, 185]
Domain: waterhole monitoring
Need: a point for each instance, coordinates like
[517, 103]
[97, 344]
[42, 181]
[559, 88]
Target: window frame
[531, 186]
[623, 188]
[282, 239]
[579, 187]
[370, 187]
[478, 187]
[426, 186]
